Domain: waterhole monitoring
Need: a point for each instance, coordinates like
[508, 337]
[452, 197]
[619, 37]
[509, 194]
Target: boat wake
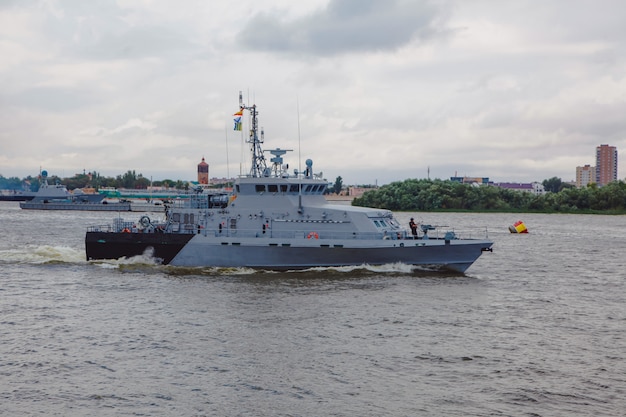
[379, 269]
[42, 254]
[143, 261]
[48, 254]
[317, 272]
[386, 269]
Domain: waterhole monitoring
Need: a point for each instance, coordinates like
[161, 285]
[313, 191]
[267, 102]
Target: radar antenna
[278, 168]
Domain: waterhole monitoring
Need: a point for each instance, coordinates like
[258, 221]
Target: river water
[536, 328]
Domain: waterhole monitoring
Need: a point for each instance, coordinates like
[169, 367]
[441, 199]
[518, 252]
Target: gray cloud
[136, 43]
[345, 26]
[515, 91]
[52, 99]
[102, 30]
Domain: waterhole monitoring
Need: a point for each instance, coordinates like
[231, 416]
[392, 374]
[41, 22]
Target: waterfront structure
[585, 175]
[203, 172]
[535, 188]
[606, 164]
[471, 180]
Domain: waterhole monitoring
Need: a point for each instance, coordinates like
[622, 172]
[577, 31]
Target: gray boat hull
[70, 205]
[457, 255]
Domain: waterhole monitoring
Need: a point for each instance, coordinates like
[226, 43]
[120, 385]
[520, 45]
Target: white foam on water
[147, 258]
[386, 268]
[41, 254]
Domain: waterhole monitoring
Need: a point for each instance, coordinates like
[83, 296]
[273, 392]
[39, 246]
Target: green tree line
[433, 195]
[128, 180]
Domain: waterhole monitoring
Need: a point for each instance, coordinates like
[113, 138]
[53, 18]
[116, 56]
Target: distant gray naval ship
[57, 197]
[279, 221]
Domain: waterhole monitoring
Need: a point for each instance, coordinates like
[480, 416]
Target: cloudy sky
[373, 91]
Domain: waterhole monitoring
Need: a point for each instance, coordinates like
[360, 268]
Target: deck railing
[119, 225]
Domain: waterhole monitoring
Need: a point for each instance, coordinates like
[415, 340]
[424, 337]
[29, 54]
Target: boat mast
[259, 166]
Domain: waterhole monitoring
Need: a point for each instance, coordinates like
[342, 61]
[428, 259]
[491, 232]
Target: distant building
[359, 191]
[533, 187]
[471, 180]
[220, 181]
[606, 164]
[203, 172]
[585, 175]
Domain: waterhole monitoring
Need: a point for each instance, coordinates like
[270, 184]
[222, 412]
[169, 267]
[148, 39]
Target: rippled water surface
[536, 328]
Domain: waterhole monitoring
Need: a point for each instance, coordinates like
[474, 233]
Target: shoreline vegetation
[129, 180]
[447, 196]
[411, 194]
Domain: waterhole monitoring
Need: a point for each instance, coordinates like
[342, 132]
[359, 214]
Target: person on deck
[413, 227]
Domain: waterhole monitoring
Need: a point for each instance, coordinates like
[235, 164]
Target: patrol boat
[278, 221]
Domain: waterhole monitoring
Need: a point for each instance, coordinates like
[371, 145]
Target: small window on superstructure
[376, 223]
[259, 188]
[315, 187]
[283, 188]
[308, 189]
[272, 188]
[294, 188]
[322, 189]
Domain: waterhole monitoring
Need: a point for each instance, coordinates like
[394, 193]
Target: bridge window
[259, 188]
[272, 188]
[188, 218]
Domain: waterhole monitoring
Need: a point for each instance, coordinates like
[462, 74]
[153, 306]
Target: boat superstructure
[274, 219]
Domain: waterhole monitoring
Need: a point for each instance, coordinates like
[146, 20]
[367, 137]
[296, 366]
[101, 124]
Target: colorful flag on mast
[237, 120]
